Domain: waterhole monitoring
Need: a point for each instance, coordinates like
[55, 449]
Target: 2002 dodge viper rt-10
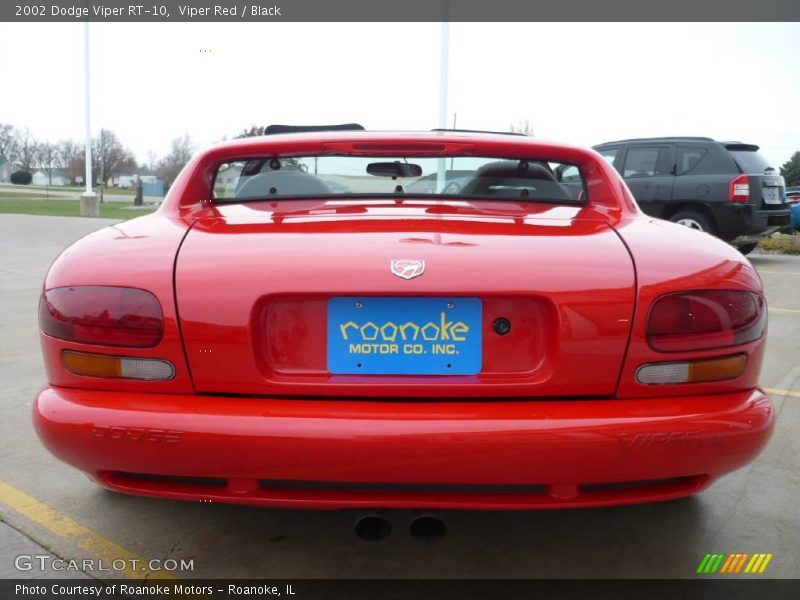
[334, 319]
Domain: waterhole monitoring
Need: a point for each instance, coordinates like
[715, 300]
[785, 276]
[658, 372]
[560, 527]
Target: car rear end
[756, 197]
[492, 349]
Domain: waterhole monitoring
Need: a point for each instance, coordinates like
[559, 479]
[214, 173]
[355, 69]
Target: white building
[54, 177]
[128, 180]
[6, 169]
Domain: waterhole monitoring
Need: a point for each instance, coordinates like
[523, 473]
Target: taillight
[102, 315]
[705, 319]
[739, 189]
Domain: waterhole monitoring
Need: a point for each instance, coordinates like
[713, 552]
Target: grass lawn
[782, 242]
[65, 208]
[68, 188]
[13, 195]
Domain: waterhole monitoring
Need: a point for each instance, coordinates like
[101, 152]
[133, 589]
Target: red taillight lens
[102, 315]
[739, 189]
[705, 319]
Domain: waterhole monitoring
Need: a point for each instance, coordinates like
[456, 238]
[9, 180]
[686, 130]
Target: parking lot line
[778, 392]
[778, 272]
[786, 310]
[99, 547]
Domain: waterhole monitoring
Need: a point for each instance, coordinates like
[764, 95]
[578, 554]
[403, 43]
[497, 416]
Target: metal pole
[444, 59]
[89, 206]
[87, 100]
[444, 56]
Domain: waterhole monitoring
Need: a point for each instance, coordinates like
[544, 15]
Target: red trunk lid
[253, 285]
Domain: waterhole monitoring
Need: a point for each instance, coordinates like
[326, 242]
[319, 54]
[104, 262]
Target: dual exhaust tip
[425, 528]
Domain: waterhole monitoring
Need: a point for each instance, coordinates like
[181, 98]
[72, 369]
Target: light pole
[444, 63]
[90, 206]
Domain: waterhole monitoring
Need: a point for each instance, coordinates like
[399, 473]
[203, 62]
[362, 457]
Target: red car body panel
[249, 342]
[555, 418]
[310, 453]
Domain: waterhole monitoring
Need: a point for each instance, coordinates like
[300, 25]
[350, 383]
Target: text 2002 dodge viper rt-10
[334, 319]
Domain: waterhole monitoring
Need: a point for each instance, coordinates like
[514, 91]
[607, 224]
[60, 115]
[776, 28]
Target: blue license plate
[404, 336]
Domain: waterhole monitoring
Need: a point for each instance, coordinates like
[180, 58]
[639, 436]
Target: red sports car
[298, 326]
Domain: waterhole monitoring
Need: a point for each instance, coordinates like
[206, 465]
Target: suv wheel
[746, 248]
[693, 220]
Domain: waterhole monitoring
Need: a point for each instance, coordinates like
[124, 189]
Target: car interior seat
[282, 183]
[514, 179]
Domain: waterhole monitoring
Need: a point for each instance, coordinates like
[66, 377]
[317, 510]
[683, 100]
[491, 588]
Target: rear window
[271, 178]
[750, 161]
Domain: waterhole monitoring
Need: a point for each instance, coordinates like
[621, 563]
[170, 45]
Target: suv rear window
[749, 160]
[271, 178]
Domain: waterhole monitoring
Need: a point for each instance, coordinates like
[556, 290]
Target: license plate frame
[404, 335]
[772, 195]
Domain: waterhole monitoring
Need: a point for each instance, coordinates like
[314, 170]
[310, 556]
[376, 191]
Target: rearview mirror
[394, 169]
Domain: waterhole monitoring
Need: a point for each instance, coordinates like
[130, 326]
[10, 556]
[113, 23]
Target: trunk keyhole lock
[501, 326]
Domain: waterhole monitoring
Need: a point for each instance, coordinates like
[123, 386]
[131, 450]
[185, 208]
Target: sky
[581, 83]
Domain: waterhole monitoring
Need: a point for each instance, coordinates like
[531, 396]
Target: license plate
[404, 336]
[772, 195]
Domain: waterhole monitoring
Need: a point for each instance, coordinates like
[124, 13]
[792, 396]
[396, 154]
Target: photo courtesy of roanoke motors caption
[150, 393]
[135, 591]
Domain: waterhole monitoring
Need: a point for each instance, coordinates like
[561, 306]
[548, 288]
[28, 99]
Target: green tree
[522, 126]
[8, 141]
[181, 152]
[254, 131]
[47, 159]
[21, 178]
[26, 150]
[791, 170]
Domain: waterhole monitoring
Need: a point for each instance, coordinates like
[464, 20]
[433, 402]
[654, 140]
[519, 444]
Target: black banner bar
[115, 11]
[403, 589]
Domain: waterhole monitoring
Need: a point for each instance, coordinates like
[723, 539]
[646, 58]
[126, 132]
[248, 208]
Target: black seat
[283, 183]
[514, 179]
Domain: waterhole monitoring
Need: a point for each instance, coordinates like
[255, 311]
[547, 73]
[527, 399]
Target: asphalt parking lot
[48, 506]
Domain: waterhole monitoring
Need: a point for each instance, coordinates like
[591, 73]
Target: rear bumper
[349, 454]
[743, 222]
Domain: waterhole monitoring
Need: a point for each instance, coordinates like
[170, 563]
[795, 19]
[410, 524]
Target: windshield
[462, 176]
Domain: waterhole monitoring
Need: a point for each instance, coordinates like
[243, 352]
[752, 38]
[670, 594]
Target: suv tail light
[102, 315]
[705, 319]
[739, 189]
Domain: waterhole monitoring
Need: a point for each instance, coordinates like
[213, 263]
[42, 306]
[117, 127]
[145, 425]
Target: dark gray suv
[725, 188]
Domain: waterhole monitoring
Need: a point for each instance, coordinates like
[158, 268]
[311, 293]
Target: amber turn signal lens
[692, 371]
[92, 365]
[116, 367]
[717, 369]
